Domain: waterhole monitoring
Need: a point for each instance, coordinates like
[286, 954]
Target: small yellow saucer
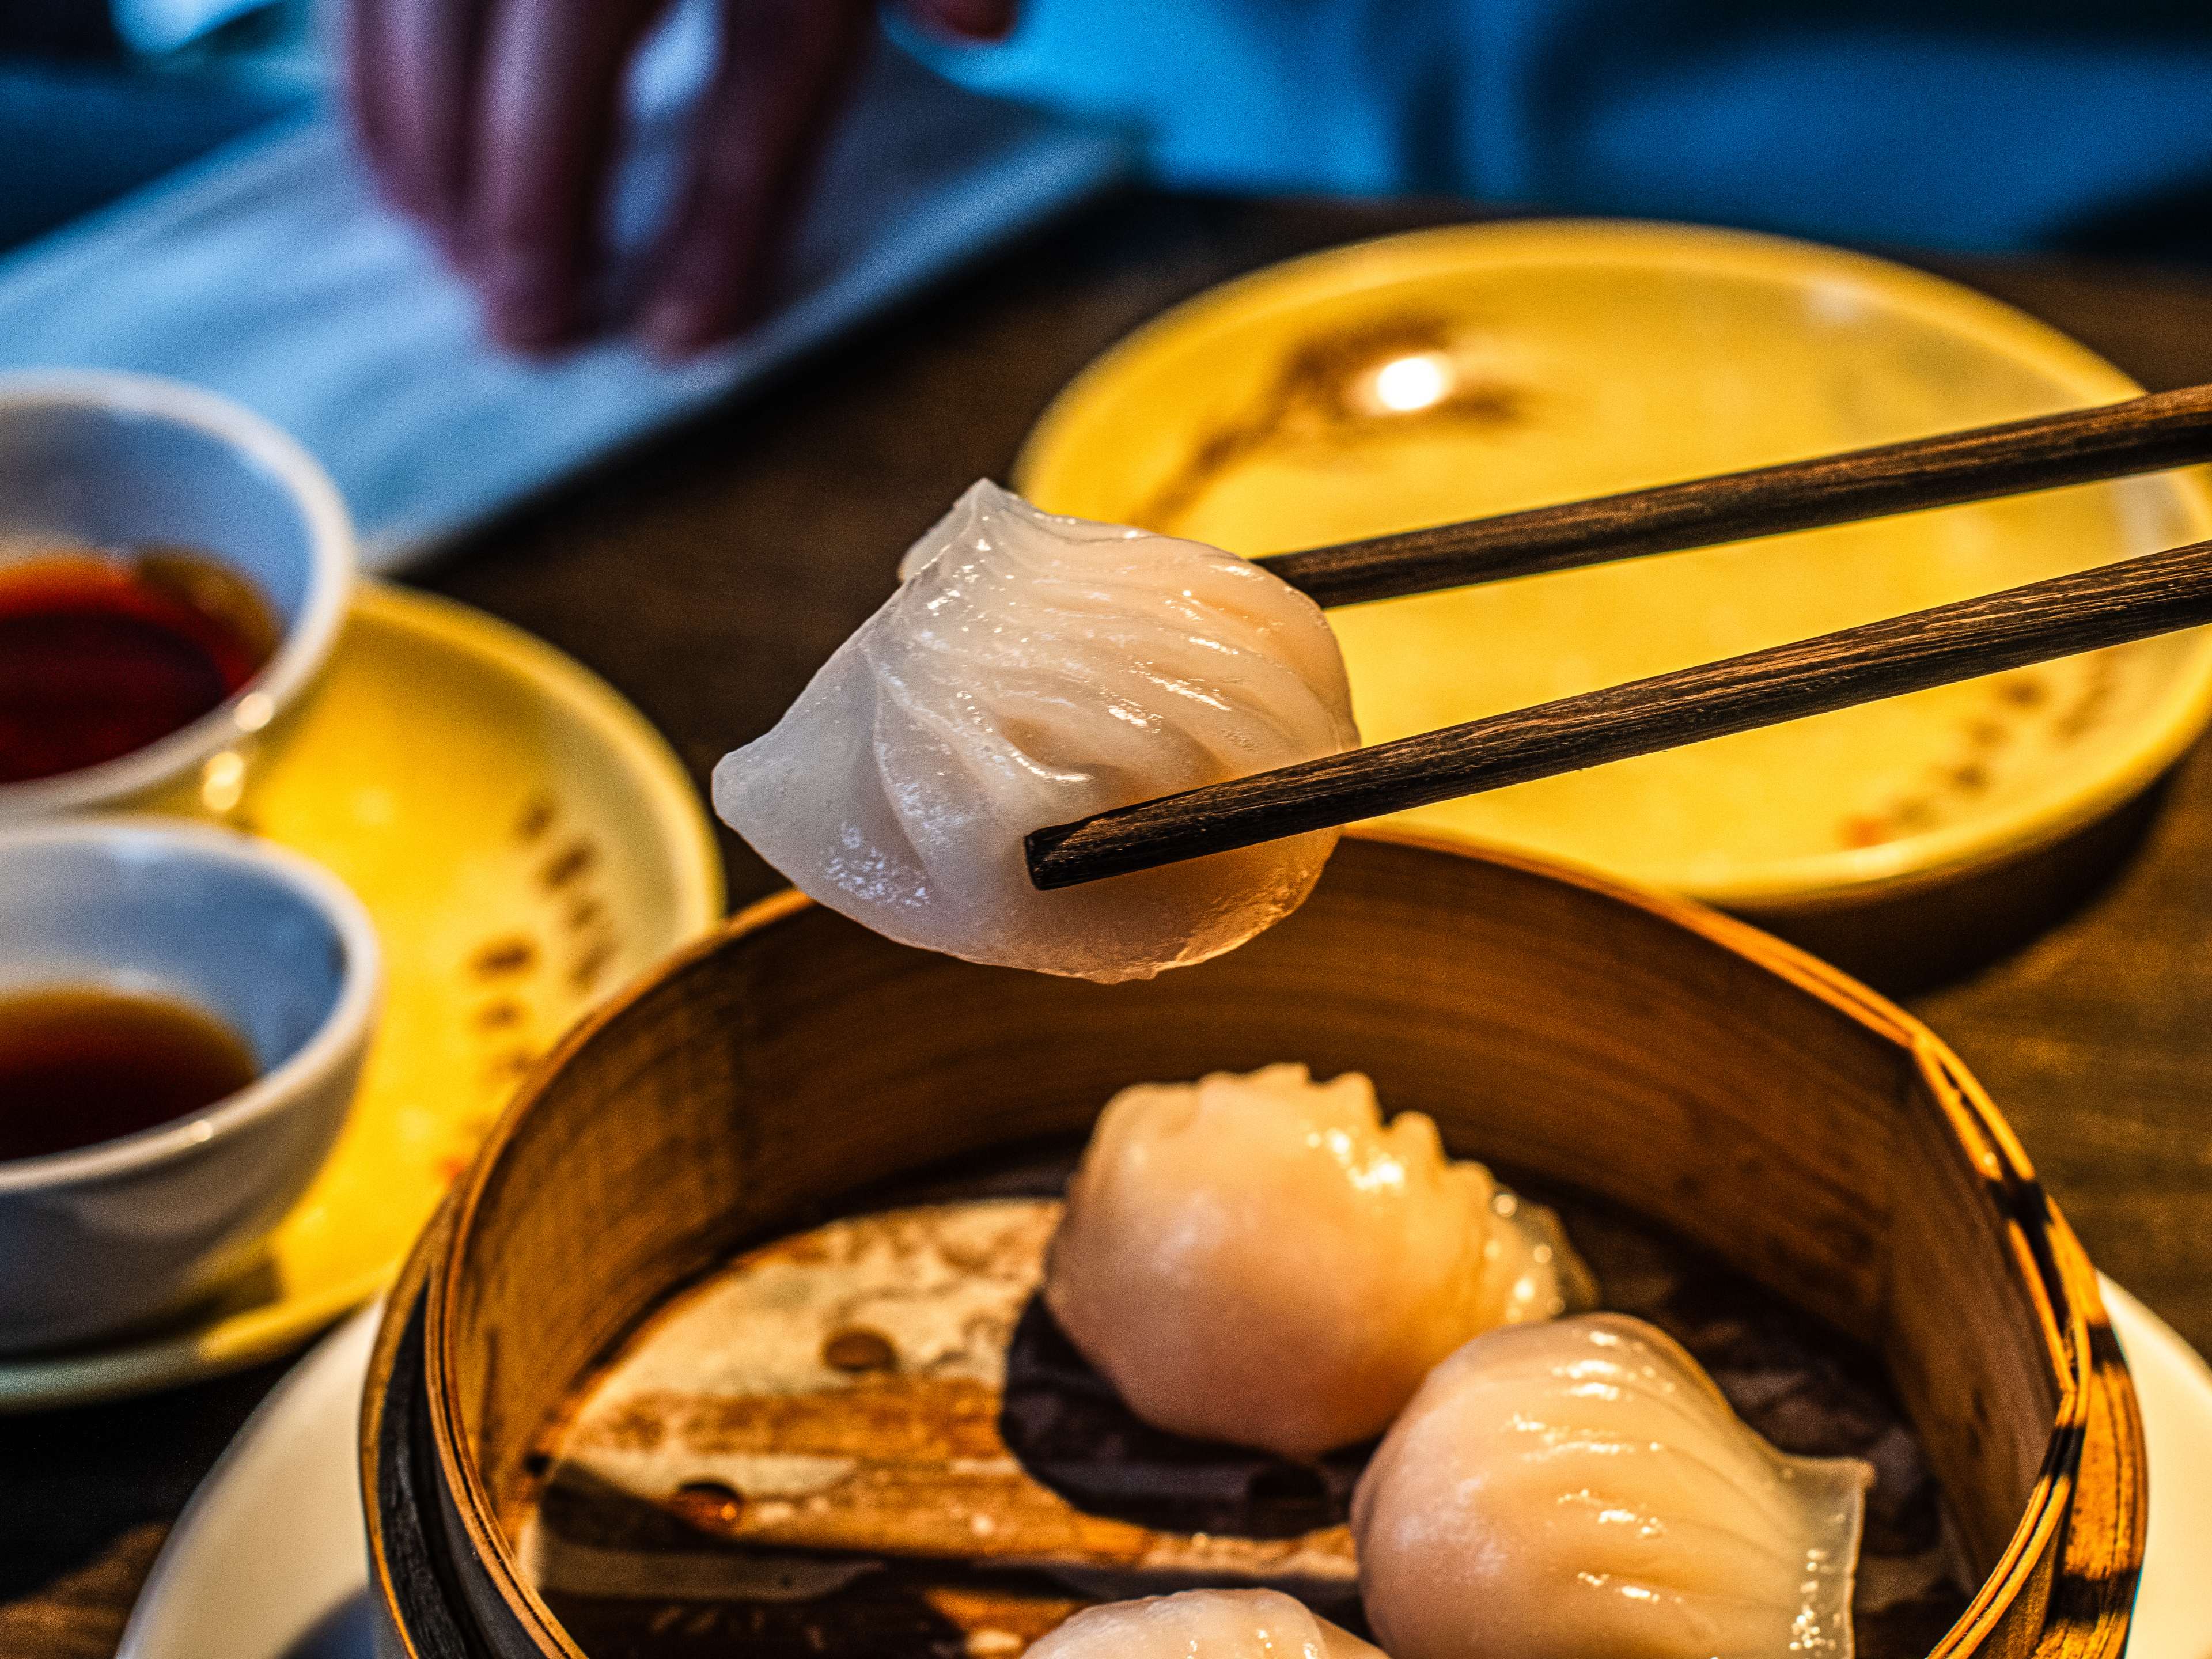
[1473, 370]
[526, 843]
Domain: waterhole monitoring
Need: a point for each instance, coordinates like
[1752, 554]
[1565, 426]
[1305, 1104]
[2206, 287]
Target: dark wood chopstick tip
[1048, 873]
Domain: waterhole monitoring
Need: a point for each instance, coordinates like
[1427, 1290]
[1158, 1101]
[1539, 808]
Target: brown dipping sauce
[102, 653]
[81, 1064]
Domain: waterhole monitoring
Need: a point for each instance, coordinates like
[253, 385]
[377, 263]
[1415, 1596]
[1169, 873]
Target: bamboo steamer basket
[1668, 1059]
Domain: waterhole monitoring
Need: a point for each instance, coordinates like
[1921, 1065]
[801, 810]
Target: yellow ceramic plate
[526, 843]
[1475, 370]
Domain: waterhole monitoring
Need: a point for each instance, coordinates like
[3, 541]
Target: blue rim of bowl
[344, 1030]
[332, 553]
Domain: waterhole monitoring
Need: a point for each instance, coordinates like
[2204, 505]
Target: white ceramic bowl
[118, 460]
[101, 1238]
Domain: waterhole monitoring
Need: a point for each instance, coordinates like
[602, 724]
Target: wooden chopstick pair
[2132, 599]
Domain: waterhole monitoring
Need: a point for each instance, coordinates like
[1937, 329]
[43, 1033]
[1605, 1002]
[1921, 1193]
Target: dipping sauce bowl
[136, 467]
[102, 1237]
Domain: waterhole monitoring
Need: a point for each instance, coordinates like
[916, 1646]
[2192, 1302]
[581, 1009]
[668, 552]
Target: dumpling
[1031, 670]
[1257, 1259]
[1580, 1490]
[1202, 1624]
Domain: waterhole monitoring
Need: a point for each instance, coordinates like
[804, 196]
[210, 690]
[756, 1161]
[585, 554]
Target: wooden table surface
[708, 577]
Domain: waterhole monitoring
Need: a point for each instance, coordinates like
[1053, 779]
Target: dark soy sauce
[81, 1064]
[101, 654]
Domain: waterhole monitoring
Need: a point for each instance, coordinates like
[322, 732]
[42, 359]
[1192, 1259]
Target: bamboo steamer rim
[2052, 1264]
[378, 1402]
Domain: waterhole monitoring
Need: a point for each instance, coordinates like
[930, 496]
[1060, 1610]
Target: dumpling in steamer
[1258, 1259]
[1580, 1490]
[1202, 1624]
[1030, 670]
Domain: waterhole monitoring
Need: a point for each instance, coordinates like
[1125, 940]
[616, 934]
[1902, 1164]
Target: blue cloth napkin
[165, 25]
[269, 272]
[1960, 123]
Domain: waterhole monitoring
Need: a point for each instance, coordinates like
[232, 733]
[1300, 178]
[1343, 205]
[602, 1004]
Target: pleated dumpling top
[1202, 1624]
[1259, 1258]
[1580, 1490]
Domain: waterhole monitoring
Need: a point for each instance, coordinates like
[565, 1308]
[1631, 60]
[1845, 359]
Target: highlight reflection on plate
[1478, 369]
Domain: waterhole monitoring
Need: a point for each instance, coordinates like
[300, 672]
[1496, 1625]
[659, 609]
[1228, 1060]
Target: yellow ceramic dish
[526, 843]
[1473, 370]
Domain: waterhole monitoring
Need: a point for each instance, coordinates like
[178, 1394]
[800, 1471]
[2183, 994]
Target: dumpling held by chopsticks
[1030, 670]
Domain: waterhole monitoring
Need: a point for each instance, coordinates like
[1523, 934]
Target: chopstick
[2156, 593]
[2143, 434]
[2129, 600]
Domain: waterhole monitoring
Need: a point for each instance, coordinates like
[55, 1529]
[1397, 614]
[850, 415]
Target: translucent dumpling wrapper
[1580, 1490]
[1259, 1258]
[1202, 1624]
[1031, 670]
